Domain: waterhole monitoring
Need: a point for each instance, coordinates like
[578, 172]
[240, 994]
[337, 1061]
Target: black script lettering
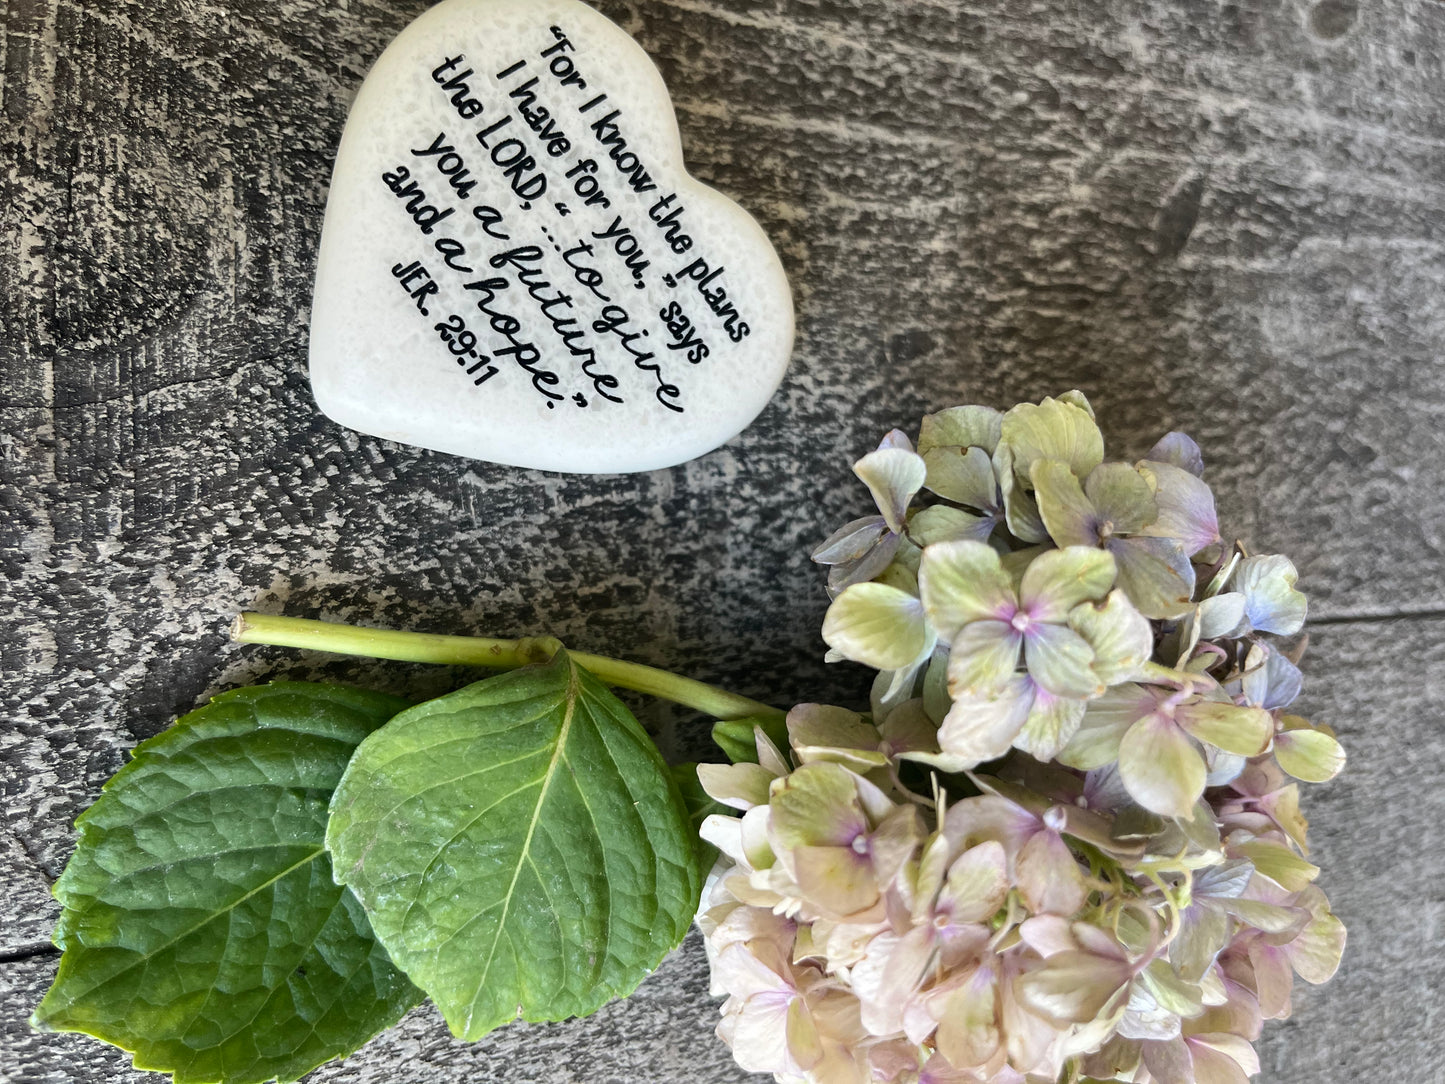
[627, 163]
[422, 213]
[466, 106]
[670, 223]
[450, 165]
[626, 246]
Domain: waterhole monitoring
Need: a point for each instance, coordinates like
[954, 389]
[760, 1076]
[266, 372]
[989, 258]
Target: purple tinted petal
[1179, 450]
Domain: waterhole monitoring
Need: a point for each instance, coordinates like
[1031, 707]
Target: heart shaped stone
[515, 265]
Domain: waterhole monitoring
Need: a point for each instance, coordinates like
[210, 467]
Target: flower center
[860, 844]
[1021, 621]
[1106, 529]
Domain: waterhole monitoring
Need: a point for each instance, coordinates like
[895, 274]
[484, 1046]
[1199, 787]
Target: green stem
[250, 628]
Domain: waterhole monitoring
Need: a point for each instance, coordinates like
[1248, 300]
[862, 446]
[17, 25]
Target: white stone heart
[515, 264]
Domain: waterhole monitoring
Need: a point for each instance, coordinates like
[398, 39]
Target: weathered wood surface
[1226, 217]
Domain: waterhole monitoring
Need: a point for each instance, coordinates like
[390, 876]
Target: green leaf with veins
[202, 930]
[520, 846]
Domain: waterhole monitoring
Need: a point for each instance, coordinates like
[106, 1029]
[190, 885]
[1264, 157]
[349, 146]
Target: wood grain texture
[1227, 217]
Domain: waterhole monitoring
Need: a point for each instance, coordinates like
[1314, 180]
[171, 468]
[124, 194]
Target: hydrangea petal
[1048, 876]
[1202, 933]
[1073, 987]
[1120, 635]
[977, 883]
[1051, 724]
[1156, 575]
[1179, 450]
[1052, 429]
[1270, 600]
[851, 541]
[816, 806]
[825, 725]
[1271, 681]
[1059, 661]
[878, 625]
[888, 976]
[1067, 513]
[805, 1045]
[1213, 1066]
[982, 658]
[867, 567]
[1020, 511]
[964, 475]
[1316, 953]
[1168, 1062]
[1106, 720]
[983, 728]
[1220, 615]
[968, 1029]
[835, 879]
[1272, 979]
[894, 476]
[740, 786]
[1244, 731]
[1161, 767]
[962, 582]
[940, 523]
[1186, 507]
[1057, 581]
[1122, 497]
[1311, 755]
[961, 427]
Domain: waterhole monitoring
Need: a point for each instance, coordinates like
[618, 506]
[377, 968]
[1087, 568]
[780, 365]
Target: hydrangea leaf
[961, 427]
[878, 625]
[520, 847]
[1057, 581]
[1052, 429]
[202, 929]
[964, 475]
[940, 523]
[1270, 600]
[738, 737]
[962, 582]
[1311, 755]
[1161, 767]
[893, 476]
[700, 806]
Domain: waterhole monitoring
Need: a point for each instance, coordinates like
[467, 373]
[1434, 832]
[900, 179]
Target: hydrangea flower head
[1066, 841]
